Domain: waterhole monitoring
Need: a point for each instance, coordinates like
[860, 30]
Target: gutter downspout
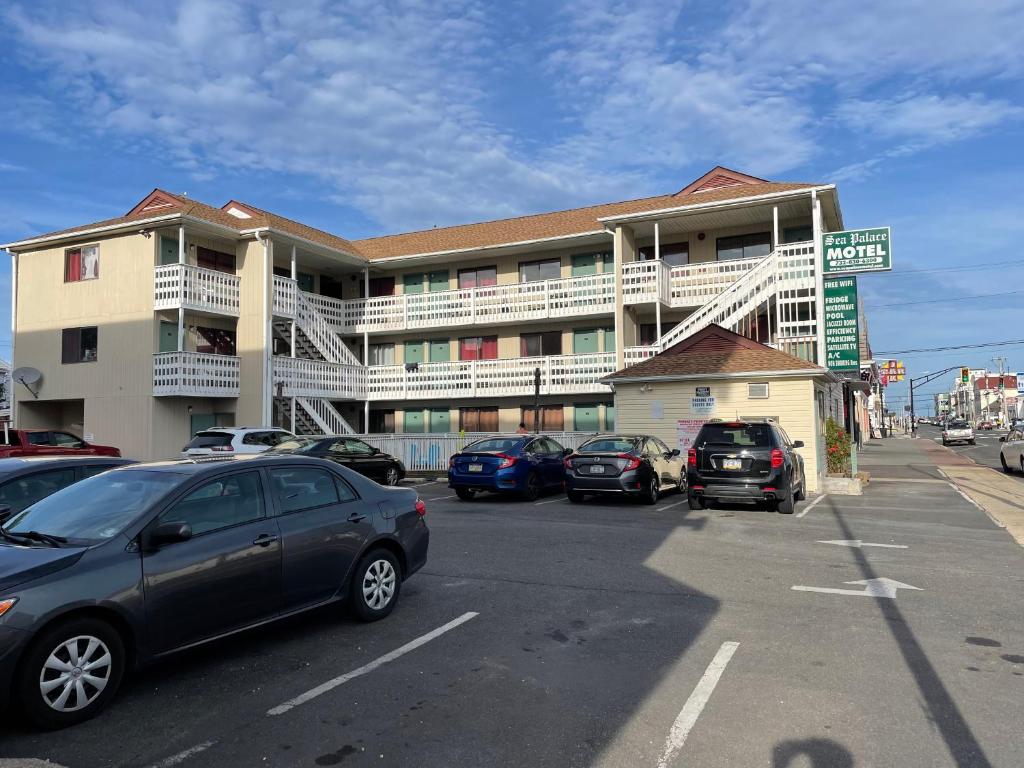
[14, 336]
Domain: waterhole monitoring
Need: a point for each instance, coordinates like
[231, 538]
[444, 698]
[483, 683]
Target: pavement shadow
[818, 753]
[942, 711]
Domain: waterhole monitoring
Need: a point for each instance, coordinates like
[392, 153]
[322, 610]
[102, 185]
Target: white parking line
[669, 506]
[695, 704]
[367, 668]
[441, 498]
[184, 755]
[811, 506]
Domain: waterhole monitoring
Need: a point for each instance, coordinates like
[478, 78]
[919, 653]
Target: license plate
[732, 464]
[597, 469]
[476, 467]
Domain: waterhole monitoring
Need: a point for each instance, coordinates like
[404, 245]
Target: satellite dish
[30, 377]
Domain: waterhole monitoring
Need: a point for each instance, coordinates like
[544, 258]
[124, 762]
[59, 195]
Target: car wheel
[694, 501]
[575, 496]
[971, 442]
[465, 494]
[784, 505]
[650, 494]
[799, 494]
[1002, 460]
[71, 672]
[375, 585]
[531, 491]
[392, 476]
[1022, 464]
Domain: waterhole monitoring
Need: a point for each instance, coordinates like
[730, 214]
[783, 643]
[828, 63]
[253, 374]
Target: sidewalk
[999, 496]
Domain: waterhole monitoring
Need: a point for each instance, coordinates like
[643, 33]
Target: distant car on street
[958, 431]
[523, 464]
[640, 466]
[745, 461]
[986, 425]
[136, 563]
[348, 452]
[218, 441]
[49, 442]
[1011, 452]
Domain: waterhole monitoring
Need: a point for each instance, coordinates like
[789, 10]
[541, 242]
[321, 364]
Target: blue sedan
[523, 464]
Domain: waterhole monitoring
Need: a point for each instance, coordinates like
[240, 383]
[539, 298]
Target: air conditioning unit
[757, 391]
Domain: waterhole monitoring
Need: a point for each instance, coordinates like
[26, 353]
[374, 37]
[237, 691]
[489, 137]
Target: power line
[959, 268]
[948, 349]
[943, 301]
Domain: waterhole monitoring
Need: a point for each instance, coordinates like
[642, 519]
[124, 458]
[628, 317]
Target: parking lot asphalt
[612, 634]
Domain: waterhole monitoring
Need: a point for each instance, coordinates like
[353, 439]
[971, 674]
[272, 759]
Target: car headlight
[6, 605]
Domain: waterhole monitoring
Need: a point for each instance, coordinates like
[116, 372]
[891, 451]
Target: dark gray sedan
[25, 481]
[142, 561]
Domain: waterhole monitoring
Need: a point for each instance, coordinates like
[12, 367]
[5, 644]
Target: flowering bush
[837, 449]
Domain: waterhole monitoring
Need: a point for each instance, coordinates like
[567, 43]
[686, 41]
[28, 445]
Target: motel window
[478, 277]
[78, 345]
[798, 234]
[478, 419]
[382, 286]
[216, 341]
[538, 344]
[478, 348]
[382, 354]
[383, 421]
[673, 254]
[534, 271]
[744, 246]
[81, 263]
[207, 258]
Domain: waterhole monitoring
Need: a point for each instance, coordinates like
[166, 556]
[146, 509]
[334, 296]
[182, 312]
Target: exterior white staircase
[327, 418]
[782, 282]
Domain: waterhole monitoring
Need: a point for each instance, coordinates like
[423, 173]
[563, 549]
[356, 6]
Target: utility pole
[1001, 391]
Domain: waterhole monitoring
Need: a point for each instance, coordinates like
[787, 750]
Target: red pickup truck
[48, 442]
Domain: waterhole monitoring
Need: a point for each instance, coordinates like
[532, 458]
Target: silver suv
[221, 441]
[958, 431]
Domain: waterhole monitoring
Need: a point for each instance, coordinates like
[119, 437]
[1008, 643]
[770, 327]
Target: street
[985, 451]
[883, 629]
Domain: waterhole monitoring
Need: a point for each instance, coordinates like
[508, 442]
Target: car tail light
[691, 457]
[777, 458]
[222, 448]
[451, 462]
[568, 462]
[421, 508]
[696, 487]
[768, 488]
[506, 460]
[632, 462]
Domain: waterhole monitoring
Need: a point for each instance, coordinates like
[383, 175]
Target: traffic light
[965, 376]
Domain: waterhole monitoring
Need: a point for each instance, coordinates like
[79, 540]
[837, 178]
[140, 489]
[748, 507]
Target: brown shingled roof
[292, 227]
[547, 225]
[714, 350]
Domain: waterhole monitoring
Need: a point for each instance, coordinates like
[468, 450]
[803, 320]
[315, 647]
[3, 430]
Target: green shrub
[837, 448]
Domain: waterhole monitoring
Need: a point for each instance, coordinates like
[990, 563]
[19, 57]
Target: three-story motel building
[179, 316]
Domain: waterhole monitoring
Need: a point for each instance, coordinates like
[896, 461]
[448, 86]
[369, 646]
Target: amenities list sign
[842, 336]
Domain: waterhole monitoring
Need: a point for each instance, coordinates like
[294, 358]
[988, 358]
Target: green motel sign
[842, 334]
[857, 250]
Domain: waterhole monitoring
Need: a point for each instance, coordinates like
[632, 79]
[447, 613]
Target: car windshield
[741, 435]
[210, 439]
[297, 446]
[97, 508]
[492, 445]
[607, 444]
[959, 425]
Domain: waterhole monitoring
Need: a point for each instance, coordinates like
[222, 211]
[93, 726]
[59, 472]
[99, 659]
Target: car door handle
[356, 517]
[264, 540]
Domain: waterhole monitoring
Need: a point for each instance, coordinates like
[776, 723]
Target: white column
[819, 277]
[657, 281]
[775, 227]
[268, 377]
[295, 278]
[181, 288]
[14, 333]
[181, 244]
[366, 353]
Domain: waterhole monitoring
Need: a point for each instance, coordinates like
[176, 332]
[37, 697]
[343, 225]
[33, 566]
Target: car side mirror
[567, 452]
[798, 443]
[674, 452]
[1001, 440]
[5, 513]
[170, 533]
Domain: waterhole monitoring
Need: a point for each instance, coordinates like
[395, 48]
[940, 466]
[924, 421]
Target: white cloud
[928, 118]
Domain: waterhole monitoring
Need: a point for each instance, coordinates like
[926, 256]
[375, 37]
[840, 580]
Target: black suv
[745, 461]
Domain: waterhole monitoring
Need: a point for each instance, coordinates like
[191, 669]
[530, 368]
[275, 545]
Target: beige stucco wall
[790, 401]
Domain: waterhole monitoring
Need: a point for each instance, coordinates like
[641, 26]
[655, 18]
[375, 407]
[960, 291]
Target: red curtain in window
[73, 266]
[489, 348]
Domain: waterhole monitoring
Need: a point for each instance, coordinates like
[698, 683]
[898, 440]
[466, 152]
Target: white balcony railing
[302, 377]
[560, 374]
[195, 374]
[689, 285]
[286, 293]
[495, 304]
[634, 355]
[195, 288]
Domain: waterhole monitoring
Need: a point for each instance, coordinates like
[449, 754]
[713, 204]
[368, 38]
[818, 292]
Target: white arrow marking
[882, 587]
[857, 544]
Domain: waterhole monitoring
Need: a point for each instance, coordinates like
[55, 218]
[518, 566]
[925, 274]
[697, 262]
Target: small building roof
[715, 351]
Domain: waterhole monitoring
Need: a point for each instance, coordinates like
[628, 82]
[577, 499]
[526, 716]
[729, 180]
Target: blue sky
[372, 117]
